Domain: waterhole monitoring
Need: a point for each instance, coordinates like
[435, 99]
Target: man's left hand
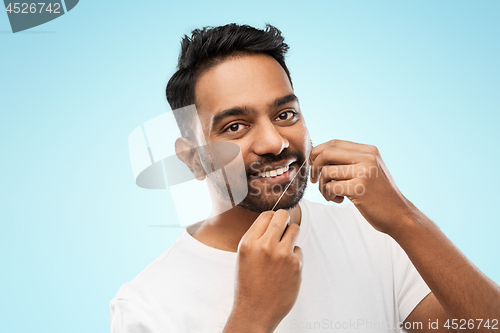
[357, 171]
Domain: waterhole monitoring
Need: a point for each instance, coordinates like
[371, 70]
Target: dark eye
[286, 115]
[234, 127]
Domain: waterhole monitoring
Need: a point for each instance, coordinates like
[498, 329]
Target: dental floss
[286, 188]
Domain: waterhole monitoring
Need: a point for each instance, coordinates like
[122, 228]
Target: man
[377, 265]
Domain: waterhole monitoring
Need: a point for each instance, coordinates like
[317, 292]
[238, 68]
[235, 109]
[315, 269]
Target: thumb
[298, 252]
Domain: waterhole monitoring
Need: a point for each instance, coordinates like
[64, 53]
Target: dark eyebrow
[283, 100]
[236, 111]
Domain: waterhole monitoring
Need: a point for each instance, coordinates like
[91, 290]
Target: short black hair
[210, 46]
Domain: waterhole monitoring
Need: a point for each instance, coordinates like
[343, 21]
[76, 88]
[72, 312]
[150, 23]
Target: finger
[338, 199]
[342, 188]
[332, 196]
[343, 144]
[277, 226]
[259, 226]
[363, 148]
[332, 155]
[290, 236]
[298, 253]
[337, 172]
[315, 151]
[284, 231]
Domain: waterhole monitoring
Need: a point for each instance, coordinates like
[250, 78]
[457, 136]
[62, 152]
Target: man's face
[248, 100]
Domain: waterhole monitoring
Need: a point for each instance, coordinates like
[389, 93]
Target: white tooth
[275, 172]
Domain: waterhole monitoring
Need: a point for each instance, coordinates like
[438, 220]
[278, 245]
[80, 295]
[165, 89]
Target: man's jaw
[270, 191]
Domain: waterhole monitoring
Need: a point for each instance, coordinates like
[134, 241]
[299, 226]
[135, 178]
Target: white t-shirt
[354, 278]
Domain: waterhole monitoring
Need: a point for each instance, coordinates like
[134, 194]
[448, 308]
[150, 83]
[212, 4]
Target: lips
[282, 179]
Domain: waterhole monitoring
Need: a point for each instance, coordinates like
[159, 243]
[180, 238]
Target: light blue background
[420, 80]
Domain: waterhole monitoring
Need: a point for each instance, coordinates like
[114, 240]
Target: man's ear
[188, 153]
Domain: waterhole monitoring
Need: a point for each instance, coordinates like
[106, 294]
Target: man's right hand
[268, 276]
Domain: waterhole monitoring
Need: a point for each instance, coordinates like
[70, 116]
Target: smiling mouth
[274, 173]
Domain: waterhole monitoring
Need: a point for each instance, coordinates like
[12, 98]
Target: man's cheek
[254, 190]
[252, 168]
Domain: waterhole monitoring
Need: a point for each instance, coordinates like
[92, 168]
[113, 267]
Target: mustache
[267, 159]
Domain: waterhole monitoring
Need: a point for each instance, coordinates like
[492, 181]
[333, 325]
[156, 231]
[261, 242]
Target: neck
[225, 231]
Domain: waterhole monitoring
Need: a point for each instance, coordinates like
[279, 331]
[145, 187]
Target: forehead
[250, 81]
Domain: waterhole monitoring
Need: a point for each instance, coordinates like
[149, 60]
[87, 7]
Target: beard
[263, 198]
[290, 199]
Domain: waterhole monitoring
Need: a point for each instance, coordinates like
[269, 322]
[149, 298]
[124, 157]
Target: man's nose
[268, 140]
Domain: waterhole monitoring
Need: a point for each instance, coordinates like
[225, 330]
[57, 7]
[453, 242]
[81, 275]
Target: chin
[259, 204]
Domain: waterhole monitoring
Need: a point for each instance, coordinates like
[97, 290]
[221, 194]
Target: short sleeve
[133, 316]
[409, 287]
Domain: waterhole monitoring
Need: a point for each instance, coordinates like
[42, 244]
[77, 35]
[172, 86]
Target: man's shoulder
[156, 274]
